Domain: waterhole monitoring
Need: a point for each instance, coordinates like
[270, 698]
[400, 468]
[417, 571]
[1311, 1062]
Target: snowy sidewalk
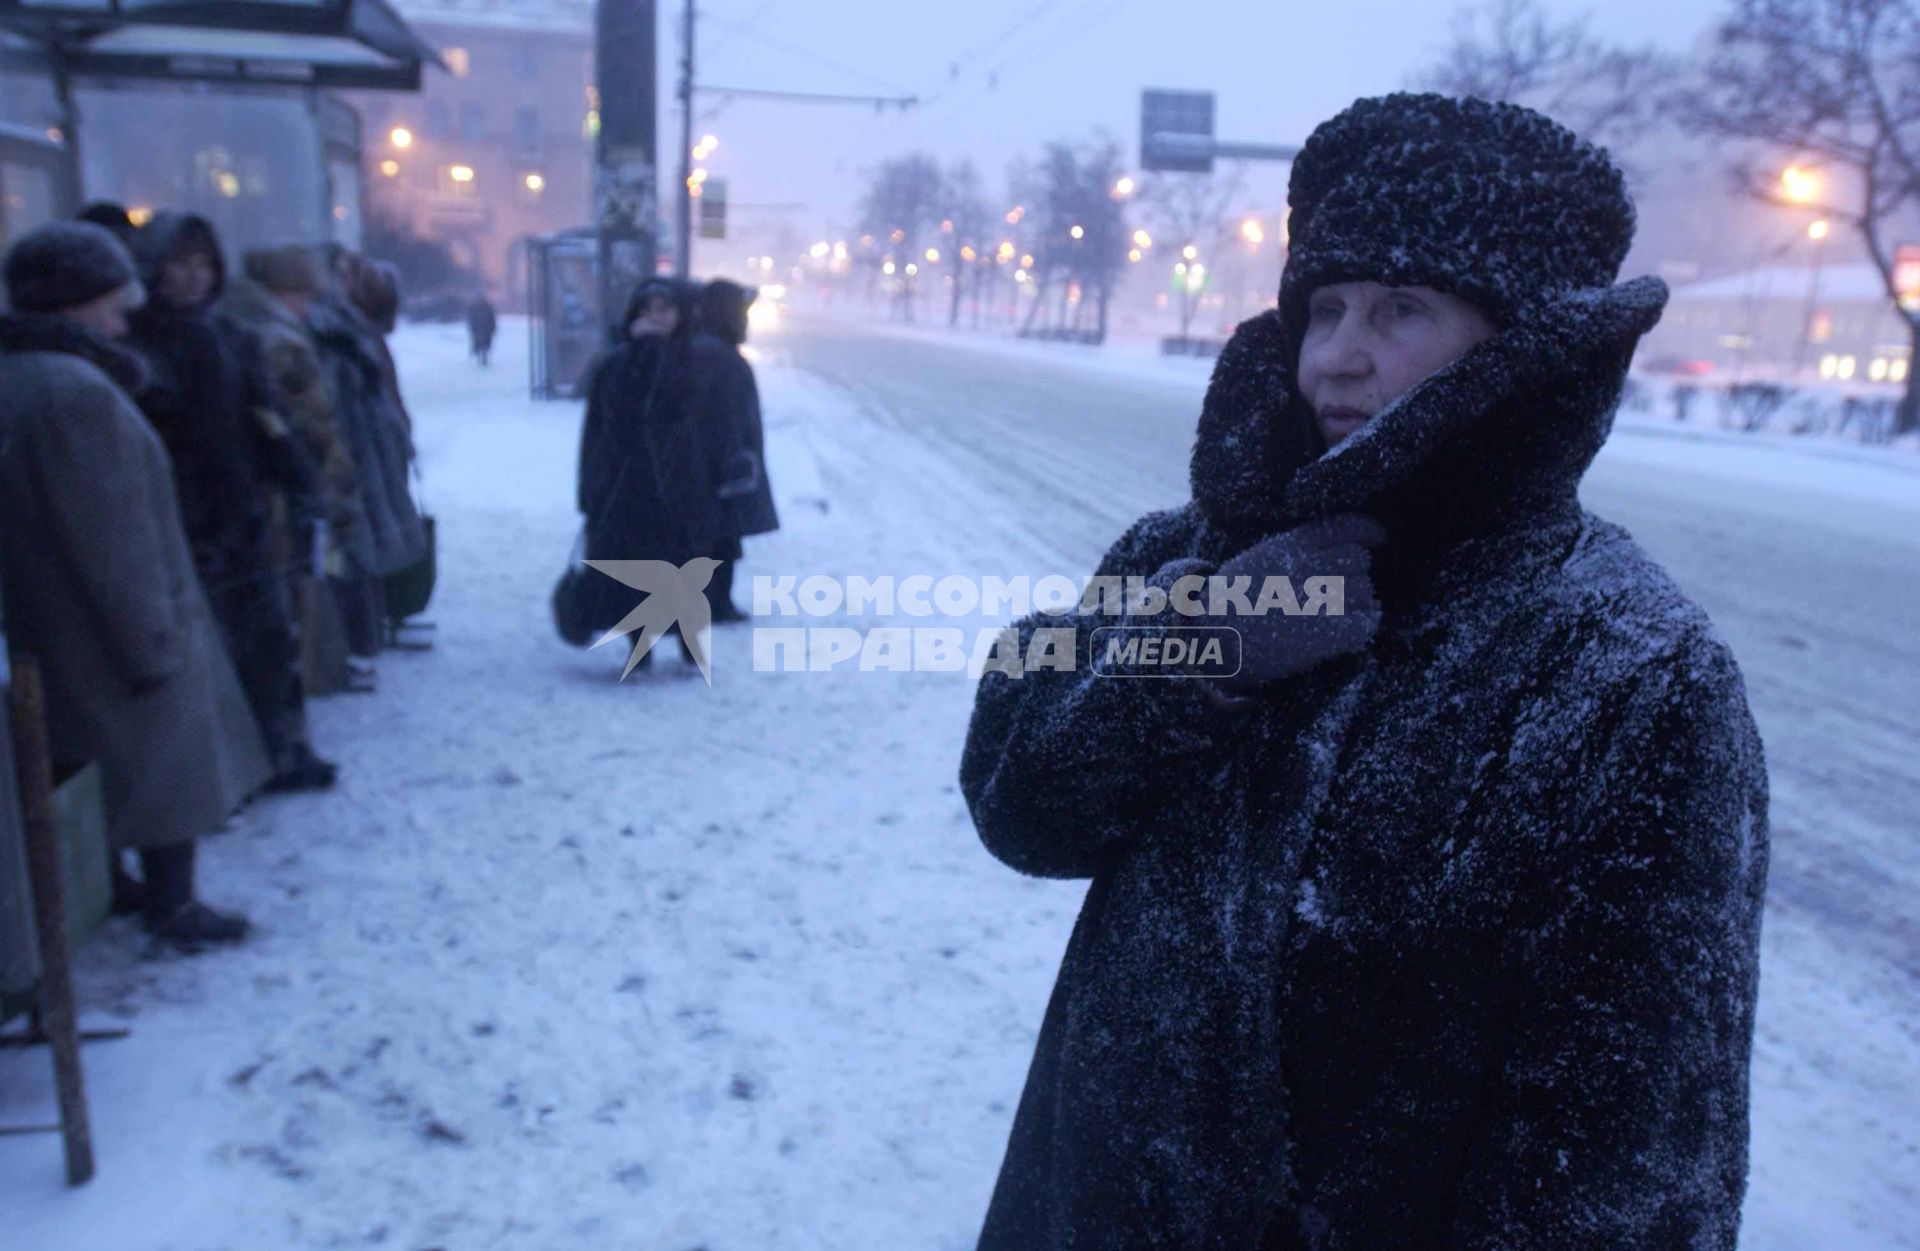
[568, 963]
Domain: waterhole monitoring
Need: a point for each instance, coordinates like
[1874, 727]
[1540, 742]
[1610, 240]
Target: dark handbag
[576, 598]
[410, 589]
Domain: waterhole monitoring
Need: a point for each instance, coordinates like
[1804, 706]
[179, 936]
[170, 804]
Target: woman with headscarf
[1434, 924]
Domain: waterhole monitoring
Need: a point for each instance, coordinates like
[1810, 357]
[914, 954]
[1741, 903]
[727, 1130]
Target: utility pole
[685, 252]
[626, 150]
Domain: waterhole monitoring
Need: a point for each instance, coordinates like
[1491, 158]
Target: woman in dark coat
[99, 583]
[374, 428]
[1436, 926]
[649, 474]
[199, 402]
[727, 408]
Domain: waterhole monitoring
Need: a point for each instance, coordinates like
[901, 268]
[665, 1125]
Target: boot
[175, 919]
[304, 772]
[194, 927]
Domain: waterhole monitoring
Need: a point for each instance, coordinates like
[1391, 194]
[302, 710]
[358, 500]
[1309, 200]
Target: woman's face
[1367, 345]
[660, 316]
[187, 279]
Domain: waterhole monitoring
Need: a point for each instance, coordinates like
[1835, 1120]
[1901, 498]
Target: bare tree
[1831, 87]
[966, 223]
[1194, 210]
[902, 209]
[1513, 50]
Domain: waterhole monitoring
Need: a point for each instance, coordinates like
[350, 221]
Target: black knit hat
[1494, 203]
[63, 264]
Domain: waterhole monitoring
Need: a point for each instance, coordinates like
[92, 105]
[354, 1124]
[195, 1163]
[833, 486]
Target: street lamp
[1800, 186]
[1253, 232]
[1124, 188]
[1078, 232]
[400, 137]
[1816, 233]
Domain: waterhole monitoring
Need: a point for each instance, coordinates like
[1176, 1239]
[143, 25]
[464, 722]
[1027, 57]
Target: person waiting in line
[225, 463]
[100, 583]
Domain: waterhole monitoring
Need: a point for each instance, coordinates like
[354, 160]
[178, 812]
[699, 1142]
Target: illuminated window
[457, 180]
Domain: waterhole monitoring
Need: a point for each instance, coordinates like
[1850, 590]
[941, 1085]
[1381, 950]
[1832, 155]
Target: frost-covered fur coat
[1448, 944]
[101, 590]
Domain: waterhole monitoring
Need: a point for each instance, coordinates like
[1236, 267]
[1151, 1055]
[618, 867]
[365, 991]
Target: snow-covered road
[571, 963]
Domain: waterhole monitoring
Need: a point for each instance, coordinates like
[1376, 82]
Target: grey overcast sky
[1030, 71]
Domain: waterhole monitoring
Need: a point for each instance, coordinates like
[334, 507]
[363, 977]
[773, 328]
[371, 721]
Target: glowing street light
[912, 270]
[461, 173]
[819, 251]
[1124, 188]
[898, 236]
[1026, 262]
[887, 269]
[1252, 231]
[1078, 232]
[1190, 252]
[1801, 186]
[968, 255]
[390, 168]
[400, 137]
[1015, 214]
[1135, 255]
[709, 142]
[1819, 230]
[536, 183]
[1142, 240]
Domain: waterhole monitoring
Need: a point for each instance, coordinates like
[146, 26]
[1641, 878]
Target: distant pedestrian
[99, 579]
[726, 403]
[482, 321]
[1434, 923]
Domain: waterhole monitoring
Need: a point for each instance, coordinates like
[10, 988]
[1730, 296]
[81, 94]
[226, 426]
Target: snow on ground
[567, 962]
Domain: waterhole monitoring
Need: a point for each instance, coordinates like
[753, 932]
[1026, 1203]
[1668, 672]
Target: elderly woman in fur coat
[1433, 924]
[99, 581]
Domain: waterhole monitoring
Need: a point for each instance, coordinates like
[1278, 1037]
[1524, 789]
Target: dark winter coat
[368, 414]
[101, 589]
[196, 400]
[727, 406]
[1448, 944]
[293, 396]
[227, 464]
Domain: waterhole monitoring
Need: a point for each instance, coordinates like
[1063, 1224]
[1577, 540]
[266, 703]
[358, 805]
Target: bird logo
[676, 595]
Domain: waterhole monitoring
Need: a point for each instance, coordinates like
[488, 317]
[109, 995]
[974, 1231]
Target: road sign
[1176, 131]
[713, 208]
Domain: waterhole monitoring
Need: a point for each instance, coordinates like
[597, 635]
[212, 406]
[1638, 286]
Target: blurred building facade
[1784, 323]
[499, 147]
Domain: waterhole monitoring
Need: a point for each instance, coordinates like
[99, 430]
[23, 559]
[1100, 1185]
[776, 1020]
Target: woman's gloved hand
[1276, 645]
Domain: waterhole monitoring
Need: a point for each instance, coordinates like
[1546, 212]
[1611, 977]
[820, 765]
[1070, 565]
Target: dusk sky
[1065, 68]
